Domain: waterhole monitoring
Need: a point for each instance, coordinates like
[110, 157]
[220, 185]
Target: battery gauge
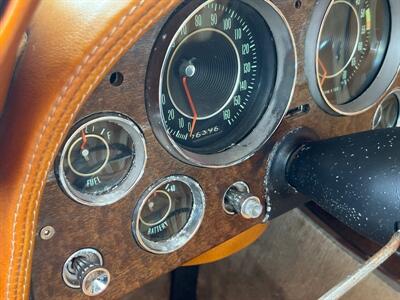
[168, 214]
[102, 159]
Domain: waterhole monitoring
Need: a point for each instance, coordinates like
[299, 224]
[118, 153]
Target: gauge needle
[84, 152]
[191, 104]
[325, 72]
[84, 139]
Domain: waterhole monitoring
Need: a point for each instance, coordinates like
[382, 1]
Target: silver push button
[84, 269]
[238, 199]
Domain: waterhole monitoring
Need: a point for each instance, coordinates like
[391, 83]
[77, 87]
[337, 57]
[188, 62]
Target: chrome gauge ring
[220, 79]
[102, 159]
[168, 214]
[387, 114]
[351, 55]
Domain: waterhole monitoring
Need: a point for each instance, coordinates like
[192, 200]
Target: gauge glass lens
[353, 41]
[99, 158]
[217, 76]
[168, 214]
[166, 211]
[102, 159]
[387, 114]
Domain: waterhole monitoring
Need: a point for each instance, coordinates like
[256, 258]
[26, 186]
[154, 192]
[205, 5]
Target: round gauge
[352, 45]
[353, 51]
[387, 114]
[214, 87]
[168, 214]
[219, 78]
[102, 159]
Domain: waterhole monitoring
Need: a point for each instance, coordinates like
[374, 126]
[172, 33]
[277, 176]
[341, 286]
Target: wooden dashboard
[108, 228]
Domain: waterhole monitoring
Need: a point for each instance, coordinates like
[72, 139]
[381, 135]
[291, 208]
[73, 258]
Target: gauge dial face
[217, 76]
[352, 45]
[166, 211]
[99, 157]
[102, 159]
[168, 214]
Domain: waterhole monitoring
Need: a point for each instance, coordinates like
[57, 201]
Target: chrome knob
[238, 199]
[84, 269]
[93, 278]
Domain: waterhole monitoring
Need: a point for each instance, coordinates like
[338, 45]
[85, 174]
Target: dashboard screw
[47, 232]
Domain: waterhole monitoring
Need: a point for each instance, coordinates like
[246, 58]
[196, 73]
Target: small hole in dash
[116, 78]
[297, 4]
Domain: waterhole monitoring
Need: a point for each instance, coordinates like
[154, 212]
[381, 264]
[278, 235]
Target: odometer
[219, 80]
[217, 77]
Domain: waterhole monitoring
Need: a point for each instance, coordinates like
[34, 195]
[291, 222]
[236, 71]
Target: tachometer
[219, 78]
[352, 45]
[353, 48]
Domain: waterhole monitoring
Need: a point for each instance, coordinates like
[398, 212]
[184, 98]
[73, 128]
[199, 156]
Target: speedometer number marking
[192, 111]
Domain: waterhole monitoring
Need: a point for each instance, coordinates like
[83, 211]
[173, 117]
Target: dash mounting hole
[116, 78]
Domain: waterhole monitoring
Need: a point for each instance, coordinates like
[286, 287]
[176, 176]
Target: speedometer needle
[191, 104]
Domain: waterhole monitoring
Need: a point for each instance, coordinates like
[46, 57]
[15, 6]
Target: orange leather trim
[232, 246]
[13, 24]
[72, 45]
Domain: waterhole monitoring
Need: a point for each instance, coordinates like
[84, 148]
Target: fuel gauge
[102, 159]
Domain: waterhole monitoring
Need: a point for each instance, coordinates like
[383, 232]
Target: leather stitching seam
[110, 62]
[49, 119]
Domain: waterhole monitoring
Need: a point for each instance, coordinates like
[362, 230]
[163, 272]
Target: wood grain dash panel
[108, 228]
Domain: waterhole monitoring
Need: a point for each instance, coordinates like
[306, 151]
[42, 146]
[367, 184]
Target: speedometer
[210, 93]
[220, 73]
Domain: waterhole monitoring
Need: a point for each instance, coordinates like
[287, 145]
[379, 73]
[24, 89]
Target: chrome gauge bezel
[180, 239]
[280, 100]
[134, 174]
[395, 93]
[378, 88]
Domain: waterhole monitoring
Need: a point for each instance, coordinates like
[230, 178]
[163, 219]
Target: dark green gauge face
[102, 159]
[353, 42]
[98, 157]
[166, 211]
[217, 76]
